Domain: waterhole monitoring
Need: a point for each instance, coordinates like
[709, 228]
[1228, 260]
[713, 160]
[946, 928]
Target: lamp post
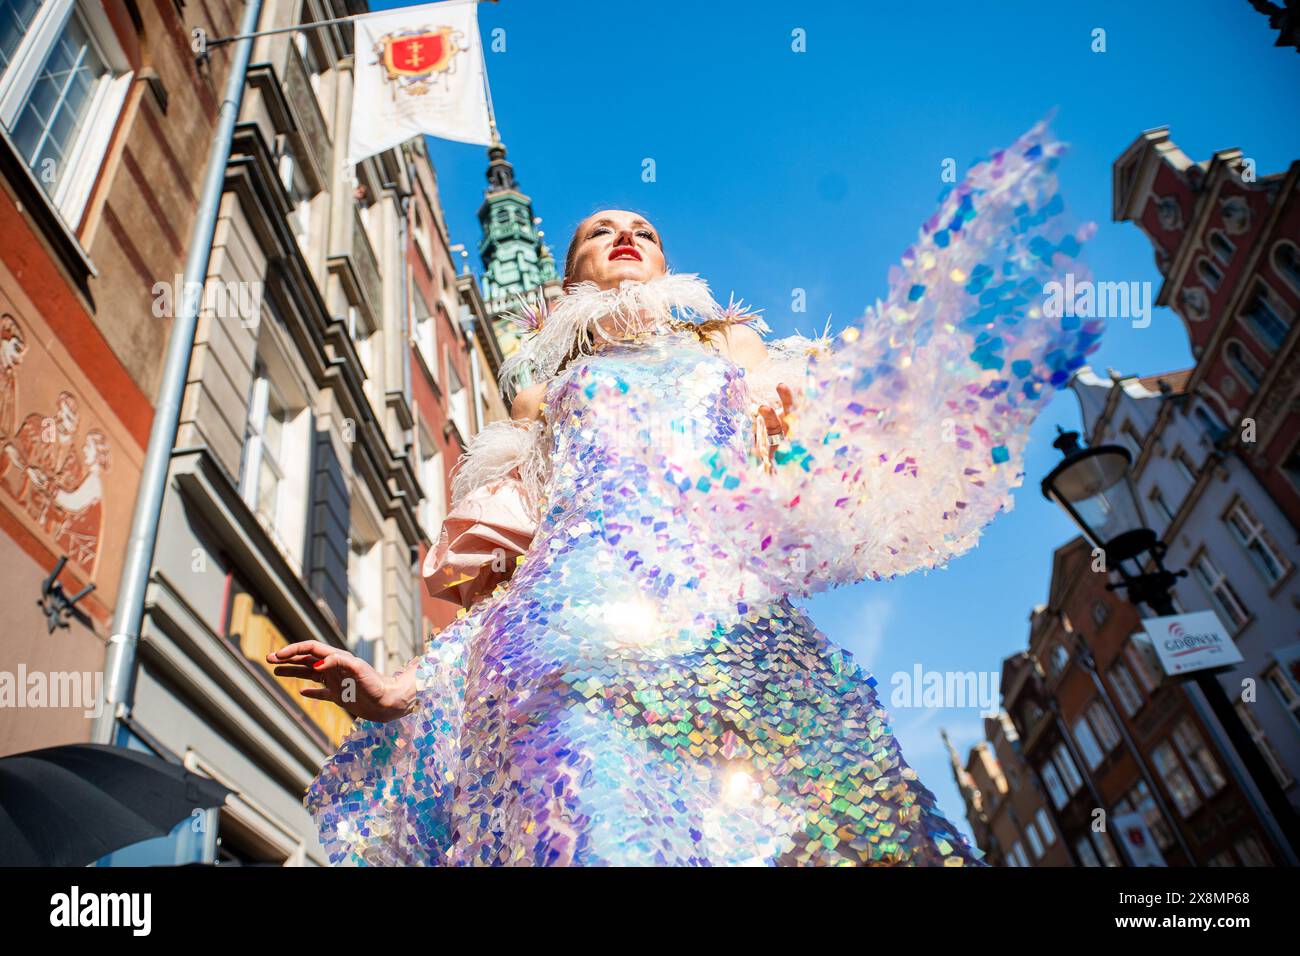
[1095, 488]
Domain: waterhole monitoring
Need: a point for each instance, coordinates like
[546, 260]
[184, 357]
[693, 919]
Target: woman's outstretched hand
[776, 423]
[346, 680]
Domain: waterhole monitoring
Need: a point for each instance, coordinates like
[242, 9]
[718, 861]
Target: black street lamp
[1095, 488]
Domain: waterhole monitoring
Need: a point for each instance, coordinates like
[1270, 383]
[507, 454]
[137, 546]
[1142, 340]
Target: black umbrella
[68, 806]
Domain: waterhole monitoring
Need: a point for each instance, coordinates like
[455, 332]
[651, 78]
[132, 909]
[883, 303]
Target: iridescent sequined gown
[586, 738]
[643, 691]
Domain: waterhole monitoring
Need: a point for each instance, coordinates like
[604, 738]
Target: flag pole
[317, 24]
[487, 91]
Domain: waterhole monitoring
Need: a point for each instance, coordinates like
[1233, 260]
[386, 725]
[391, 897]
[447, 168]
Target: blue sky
[778, 170]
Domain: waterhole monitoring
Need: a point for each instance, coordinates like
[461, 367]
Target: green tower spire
[515, 259]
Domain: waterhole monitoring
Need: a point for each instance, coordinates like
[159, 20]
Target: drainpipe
[128, 617]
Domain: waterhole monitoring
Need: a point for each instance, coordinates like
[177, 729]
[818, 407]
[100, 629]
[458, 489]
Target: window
[1105, 849]
[63, 82]
[365, 575]
[1285, 689]
[1083, 736]
[1184, 465]
[1130, 699]
[421, 228]
[1210, 274]
[1018, 854]
[1175, 779]
[1104, 727]
[1205, 769]
[458, 400]
[1137, 662]
[1221, 592]
[1160, 510]
[1087, 855]
[363, 340]
[295, 184]
[1045, 826]
[1263, 316]
[1243, 365]
[1140, 800]
[1210, 423]
[1100, 612]
[266, 425]
[1052, 780]
[1131, 439]
[273, 479]
[1251, 851]
[1060, 659]
[1069, 772]
[1286, 262]
[1265, 745]
[1250, 534]
[1291, 466]
[426, 333]
[433, 508]
[1035, 844]
[311, 60]
[1221, 246]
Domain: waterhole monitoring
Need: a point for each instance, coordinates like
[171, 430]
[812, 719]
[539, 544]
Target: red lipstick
[624, 252]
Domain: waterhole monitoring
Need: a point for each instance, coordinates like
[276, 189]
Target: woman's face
[615, 246]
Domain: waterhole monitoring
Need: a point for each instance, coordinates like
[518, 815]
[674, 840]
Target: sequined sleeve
[908, 429]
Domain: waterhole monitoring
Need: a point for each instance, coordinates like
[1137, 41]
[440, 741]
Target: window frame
[90, 145]
[1195, 752]
[1292, 280]
[1125, 687]
[1256, 730]
[1258, 534]
[1214, 587]
[1288, 694]
[275, 364]
[1264, 293]
[1175, 779]
[1068, 769]
[1086, 740]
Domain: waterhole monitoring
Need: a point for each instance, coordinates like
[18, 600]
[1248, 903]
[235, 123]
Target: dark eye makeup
[640, 232]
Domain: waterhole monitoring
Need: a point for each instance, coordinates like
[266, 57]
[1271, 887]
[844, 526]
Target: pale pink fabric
[492, 523]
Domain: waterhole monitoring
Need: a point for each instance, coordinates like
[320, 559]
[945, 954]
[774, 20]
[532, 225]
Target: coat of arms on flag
[418, 70]
[415, 59]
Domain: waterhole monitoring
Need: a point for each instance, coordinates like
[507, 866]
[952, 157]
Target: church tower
[516, 260]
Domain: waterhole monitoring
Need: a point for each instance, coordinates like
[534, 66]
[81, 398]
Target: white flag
[418, 70]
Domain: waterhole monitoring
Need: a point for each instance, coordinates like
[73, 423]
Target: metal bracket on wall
[56, 604]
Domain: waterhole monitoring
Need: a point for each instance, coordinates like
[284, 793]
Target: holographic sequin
[643, 691]
[559, 723]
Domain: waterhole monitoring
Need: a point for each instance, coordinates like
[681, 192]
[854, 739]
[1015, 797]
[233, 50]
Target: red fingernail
[318, 665]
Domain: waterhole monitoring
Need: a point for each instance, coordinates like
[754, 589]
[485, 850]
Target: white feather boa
[587, 315]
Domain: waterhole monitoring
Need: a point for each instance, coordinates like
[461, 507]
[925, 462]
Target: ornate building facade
[339, 368]
[1133, 764]
[1216, 465]
[105, 121]
[1006, 805]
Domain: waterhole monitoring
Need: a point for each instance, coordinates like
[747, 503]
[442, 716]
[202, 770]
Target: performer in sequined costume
[630, 682]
